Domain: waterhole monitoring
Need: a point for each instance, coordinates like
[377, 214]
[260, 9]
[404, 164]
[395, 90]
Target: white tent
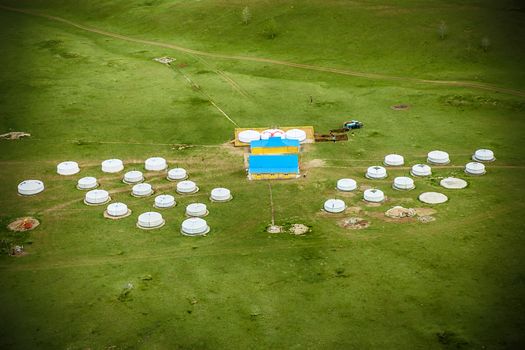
[421, 170]
[133, 177]
[346, 185]
[266, 134]
[194, 227]
[97, 197]
[394, 160]
[164, 201]
[155, 164]
[187, 186]
[220, 194]
[376, 172]
[30, 187]
[117, 210]
[176, 174]
[248, 136]
[438, 158]
[196, 210]
[142, 190]
[68, 168]
[87, 183]
[296, 134]
[475, 168]
[403, 183]
[334, 206]
[483, 155]
[150, 220]
[112, 166]
[374, 195]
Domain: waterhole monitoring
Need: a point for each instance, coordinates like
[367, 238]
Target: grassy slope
[393, 285]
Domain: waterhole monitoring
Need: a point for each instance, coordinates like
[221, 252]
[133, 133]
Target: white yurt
[117, 210]
[475, 168]
[394, 160]
[142, 190]
[438, 158]
[334, 206]
[30, 187]
[87, 183]
[376, 172]
[133, 177]
[164, 201]
[150, 220]
[374, 195]
[112, 165]
[220, 194]
[266, 134]
[68, 168]
[196, 209]
[346, 185]
[177, 174]
[155, 164]
[421, 170]
[296, 134]
[483, 155]
[403, 183]
[248, 136]
[97, 197]
[194, 227]
[187, 186]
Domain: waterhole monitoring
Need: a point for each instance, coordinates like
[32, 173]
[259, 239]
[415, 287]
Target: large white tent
[30, 187]
[68, 168]
[374, 195]
[483, 155]
[334, 206]
[421, 170]
[112, 166]
[156, 164]
[220, 194]
[346, 185]
[97, 197]
[475, 168]
[196, 210]
[133, 177]
[403, 183]
[177, 174]
[376, 172]
[142, 190]
[438, 157]
[194, 227]
[248, 136]
[164, 201]
[150, 220]
[117, 210]
[394, 160]
[87, 183]
[186, 187]
[296, 134]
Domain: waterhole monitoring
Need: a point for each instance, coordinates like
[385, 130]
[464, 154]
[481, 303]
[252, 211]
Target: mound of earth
[14, 135]
[299, 229]
[274, 229]
[399, 212]
[23, 224]
[426, 218]
[400, 107]
[354, 223]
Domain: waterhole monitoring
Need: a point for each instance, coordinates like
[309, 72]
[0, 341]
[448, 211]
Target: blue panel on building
[275, 142]
[274, 164]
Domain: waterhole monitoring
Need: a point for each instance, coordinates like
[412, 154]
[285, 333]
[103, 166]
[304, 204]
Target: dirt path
[465, 84]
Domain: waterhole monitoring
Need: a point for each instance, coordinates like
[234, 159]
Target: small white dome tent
[220, 194]
[87, 183]
[376, 172]
[117, 210]
[30, 187]
[142, 190]
[483, 155]
[97, 197]
[248, 136]
[112, 166]
[197, 210]
[421, 170]
[177, 174]
[133, 177]
[346, 185]
[394, 160]
[68, 168]
[438, 158]
[403, 183]
[155, 164]
[187, 187]
[374, 195]
[195, 227]
[296, 134]
[150, 220]
[475, 168]
[334, 206]
[164, 201]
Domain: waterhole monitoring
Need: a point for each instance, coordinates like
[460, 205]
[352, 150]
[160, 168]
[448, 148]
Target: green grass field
[455, 283]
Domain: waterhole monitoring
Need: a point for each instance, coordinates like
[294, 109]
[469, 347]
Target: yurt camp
[195, 227]
[30, 187]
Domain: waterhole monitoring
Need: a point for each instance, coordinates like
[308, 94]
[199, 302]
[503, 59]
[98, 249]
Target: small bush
[271, 29]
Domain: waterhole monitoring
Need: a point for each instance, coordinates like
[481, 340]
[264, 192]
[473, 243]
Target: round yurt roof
[196, 209]
[87, 182]
[97, 196]
[296, 134]
[404, 183]
[248, 136]
[394, 160]
[266, 134]
[186, 186]
[421, 170]
[30, 187]
[483, 155]
[438, 157]
[68, 168]
[334, 205]
[194, 226]
[177, 174]
[117, 209]
[374, 195]
[346, 184]
[155, 164]
[164, 200]
[142, 189]
[376, 172]
[150, 219]
[475, 168]
[220, 193]
[112, 165]
[133, 176]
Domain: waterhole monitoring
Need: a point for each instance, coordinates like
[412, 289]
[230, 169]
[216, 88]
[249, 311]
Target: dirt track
[467, 84]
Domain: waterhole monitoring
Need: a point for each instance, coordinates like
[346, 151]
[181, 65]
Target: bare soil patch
[400, 107]
[299, 229]
[314, 163]
[14, 135]
[354, 223]
[383, 217]
[426, 218]
[399, 212]
[23, 224]
[275, 229]
[425, 211]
